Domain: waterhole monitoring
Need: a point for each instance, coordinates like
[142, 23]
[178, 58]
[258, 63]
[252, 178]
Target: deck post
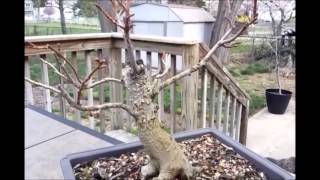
[28, 88]
[77, 113]
[115, 70]
[190, 87]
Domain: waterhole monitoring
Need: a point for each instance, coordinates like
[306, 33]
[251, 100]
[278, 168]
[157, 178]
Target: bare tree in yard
[166, 158]
[280, 12]
[49, 11]
[106, 26]
[62, 18]
[37, 4]
[227, 10]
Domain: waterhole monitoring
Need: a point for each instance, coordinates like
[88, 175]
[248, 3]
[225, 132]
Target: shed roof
[187, 14]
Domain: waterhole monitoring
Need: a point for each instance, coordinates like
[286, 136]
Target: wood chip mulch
[216, 161]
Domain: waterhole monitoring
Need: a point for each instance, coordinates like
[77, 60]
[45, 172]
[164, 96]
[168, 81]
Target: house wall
[153, 13]
[198, 31]
[149, 28]
[175, 29]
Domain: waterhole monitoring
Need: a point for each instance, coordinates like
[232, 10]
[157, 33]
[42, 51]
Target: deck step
[122, 135]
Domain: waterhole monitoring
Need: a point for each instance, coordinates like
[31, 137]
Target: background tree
[221, 25]
[62, 17]
[86, 8]
[166, 157]
[37, 4]
[49, 11]
[280, 12]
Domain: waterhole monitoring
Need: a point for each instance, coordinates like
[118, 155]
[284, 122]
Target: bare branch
[58, 53]
[95, 107]
[42, 85]
[108, 16]
[104, 80]
[165, 64]
[289, 18]
[58, 56]
[205, 59]
[54, 69]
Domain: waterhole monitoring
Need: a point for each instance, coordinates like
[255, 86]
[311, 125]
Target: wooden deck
[49, 138]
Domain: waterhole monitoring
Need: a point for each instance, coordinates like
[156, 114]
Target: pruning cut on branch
[167, 159]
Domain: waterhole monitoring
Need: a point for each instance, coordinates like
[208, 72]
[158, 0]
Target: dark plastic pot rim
[269, 168]
[276, 92]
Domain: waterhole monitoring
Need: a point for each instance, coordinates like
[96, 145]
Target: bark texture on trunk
[62, 18]
[166, 158]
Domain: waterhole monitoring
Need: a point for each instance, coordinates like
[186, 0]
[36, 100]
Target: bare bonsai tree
[166, 158]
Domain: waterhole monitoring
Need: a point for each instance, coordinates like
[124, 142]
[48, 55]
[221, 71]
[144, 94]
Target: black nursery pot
[277, 103]
[271, 170]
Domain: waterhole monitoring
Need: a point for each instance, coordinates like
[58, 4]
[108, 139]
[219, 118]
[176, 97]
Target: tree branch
[205, 59]
[126, 29]
[42, 85]
[102, 81]
[95, 107]
[62, 92]
[54, 69]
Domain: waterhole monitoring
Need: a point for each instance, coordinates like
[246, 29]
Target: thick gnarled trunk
[166, 158]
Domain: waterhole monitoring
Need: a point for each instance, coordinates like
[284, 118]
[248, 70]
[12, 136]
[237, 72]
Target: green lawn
[37, 29]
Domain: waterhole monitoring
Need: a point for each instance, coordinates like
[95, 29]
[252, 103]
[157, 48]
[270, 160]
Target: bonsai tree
[166, 158]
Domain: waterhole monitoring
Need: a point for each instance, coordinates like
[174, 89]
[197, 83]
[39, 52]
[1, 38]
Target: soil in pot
[215, 160]
[277, 103]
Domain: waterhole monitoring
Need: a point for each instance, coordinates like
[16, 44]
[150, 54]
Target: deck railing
[221, 103]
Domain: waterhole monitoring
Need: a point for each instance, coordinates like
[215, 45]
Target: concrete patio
[271, 135]
[49, 138]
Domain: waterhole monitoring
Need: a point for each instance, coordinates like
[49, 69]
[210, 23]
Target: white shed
[172, 20]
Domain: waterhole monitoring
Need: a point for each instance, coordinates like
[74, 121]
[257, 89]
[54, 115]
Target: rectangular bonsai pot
[270, 169]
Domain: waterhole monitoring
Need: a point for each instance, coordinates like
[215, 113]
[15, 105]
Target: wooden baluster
[28, 87]
[212, 92]
[101, 94]
[115, 69]
[219, 108]
[160, 95]
[138, 54]
[45, 80]
[233, 117]
[62, 100]
[226, 112]
[190, 87]
[173, 71]
[204, 97]
[77, 113]
[244, 124]
[238, 118]
[149, 65]
[89, 91]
